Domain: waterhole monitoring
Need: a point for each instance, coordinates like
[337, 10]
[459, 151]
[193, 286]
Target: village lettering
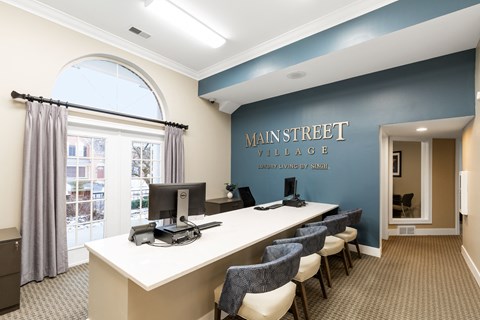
[306, 133]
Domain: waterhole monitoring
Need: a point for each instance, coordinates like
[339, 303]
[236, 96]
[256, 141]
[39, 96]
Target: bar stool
[312, 240]
[350, 233]
[261, 291]
[333, 245]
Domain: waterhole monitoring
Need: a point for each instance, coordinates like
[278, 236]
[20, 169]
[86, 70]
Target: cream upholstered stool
[350, 233]
[312, 240]
[333, 245]
[261, 291]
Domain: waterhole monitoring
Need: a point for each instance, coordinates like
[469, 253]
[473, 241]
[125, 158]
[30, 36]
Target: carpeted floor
[62, 298]
[416, 278]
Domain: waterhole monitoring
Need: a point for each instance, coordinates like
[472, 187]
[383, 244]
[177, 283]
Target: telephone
[142, 234]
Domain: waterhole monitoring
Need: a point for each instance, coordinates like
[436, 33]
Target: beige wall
[471, 163]
[34, 51]
[443, 184]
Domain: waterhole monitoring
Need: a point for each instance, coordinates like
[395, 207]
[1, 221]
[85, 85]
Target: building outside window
[109, 166]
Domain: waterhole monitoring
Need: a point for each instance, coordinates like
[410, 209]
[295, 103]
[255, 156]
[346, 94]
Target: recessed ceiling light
[421, 129]
[185, 22]
[296, 75]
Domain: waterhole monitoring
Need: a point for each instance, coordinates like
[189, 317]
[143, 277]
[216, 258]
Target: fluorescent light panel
[185, 22]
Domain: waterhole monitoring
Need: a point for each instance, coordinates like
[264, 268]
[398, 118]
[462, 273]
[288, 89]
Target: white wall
[35, 50]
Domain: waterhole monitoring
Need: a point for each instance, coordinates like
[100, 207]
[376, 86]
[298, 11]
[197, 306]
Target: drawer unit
[10, 245]
[219, 205]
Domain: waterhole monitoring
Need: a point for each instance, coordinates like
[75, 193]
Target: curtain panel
[174, 155]
[43, 226]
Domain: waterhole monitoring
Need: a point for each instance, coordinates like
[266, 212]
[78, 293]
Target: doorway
[440, 133]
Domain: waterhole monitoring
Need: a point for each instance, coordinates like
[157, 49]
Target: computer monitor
[174, 200]
[290, 187]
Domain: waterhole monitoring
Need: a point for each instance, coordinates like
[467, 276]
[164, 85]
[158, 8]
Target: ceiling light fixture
[185, 22]
[422, 129]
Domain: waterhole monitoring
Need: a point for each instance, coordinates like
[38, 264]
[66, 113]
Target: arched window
[109, 165]
[107, 85]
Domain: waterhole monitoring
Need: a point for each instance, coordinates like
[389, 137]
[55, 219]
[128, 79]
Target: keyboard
[275, 206]
[209, 225]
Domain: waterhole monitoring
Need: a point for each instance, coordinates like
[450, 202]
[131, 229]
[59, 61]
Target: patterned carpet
[416, 278]
[62, 298]
[421, 277]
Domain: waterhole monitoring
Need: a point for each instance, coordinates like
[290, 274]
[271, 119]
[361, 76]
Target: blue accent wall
[434, 89]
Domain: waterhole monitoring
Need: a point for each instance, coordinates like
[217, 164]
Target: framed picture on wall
[397, 164]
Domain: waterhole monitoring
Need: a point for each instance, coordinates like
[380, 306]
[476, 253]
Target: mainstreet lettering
[324, 131]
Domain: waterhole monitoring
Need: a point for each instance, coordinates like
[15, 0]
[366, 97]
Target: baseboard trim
[471, 265]
[371, 251]
[77, 263]
[426, 232]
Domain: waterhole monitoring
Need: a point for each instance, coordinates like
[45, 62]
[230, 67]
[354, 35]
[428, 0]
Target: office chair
[246, 196]
[312, 240]
[333, 245]
[403, 204]
[350, 233]
[261, 291]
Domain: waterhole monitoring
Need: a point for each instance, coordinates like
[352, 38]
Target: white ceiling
[442, 129]
[253, 28]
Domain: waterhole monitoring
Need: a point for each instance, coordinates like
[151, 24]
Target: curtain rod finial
[14, 94]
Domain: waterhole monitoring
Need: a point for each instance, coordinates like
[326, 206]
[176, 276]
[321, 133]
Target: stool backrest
[335, 224]
[354, 216]
[311, 238]
[279, 265]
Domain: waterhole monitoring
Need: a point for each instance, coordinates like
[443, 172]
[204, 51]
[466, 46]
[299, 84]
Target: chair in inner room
[261, 291]
[246, 196]
[402, 205]
[333, 245]
[312, 240]
[350, 233]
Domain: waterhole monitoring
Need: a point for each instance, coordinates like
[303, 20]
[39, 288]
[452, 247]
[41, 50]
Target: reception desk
[145, 282]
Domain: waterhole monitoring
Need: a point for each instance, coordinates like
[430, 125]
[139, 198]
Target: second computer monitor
[290, 187]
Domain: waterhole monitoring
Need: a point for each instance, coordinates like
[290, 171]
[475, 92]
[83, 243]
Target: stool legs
[217, 312]
[358, 248]
[303, 296]
[294, 310]
[349, 255]
[327, 271]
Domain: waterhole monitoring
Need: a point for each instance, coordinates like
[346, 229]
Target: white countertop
[151, 267]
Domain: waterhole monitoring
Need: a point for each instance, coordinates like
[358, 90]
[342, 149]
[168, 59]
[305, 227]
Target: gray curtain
[44, 242]
[174, 155]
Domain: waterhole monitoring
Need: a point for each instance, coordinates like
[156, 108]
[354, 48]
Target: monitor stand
[173, 228]
[294, 201]
[182, 213]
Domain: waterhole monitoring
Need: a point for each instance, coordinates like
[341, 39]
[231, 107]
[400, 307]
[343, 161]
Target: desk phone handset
[142, 234]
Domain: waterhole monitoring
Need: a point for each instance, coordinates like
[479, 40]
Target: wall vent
[139, 32]
[406, 230]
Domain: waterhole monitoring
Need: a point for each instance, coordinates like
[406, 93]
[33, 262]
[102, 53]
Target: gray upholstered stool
[261, 291]
[312, 239]
[333, 245]
[350, 233]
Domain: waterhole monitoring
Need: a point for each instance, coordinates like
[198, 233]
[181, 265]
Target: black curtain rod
[16, 95]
